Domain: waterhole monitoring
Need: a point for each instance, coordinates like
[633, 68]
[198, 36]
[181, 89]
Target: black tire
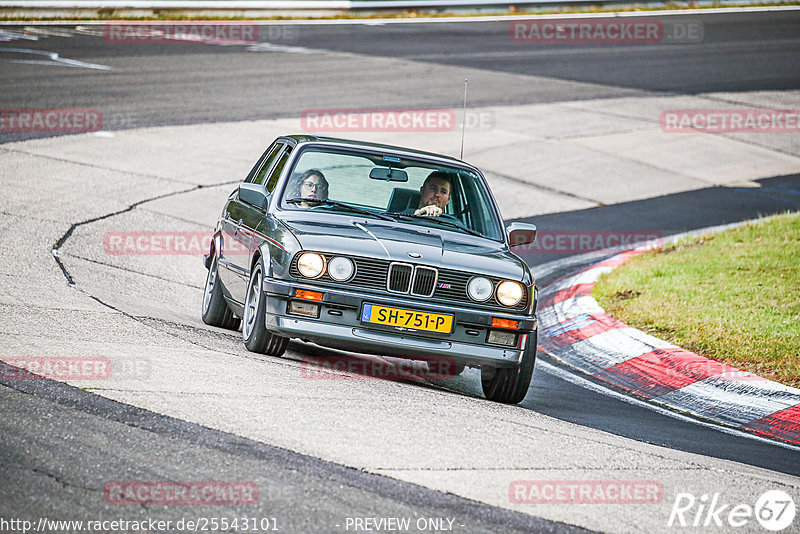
[215, 311]
[509, 385]
[255, 335]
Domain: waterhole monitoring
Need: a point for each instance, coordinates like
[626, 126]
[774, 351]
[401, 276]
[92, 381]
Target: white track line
[53, 59]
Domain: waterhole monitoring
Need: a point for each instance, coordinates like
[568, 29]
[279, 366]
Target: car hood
[399, 241]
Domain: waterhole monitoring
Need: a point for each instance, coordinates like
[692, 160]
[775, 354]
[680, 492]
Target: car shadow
[322, 363]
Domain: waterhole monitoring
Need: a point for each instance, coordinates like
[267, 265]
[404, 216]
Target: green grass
[177, 14]
[733, 297]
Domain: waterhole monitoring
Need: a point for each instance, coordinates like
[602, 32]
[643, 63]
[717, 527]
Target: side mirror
[388, 174]
[255, 195]
[520, 234]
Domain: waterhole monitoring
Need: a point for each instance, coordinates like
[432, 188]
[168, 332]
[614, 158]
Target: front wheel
[509, 385]
[215, 310]
[255, 335]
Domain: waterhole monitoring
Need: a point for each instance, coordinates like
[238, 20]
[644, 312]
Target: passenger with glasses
[310, 185]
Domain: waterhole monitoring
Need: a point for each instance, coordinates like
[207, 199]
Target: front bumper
[338, 325]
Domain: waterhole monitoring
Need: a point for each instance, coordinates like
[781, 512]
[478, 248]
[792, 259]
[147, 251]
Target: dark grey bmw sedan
[376, 249]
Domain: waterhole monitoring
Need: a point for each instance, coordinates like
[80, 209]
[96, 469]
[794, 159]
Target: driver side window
[272, 181]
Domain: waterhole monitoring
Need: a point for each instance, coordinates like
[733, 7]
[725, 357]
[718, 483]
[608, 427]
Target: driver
[434, 194]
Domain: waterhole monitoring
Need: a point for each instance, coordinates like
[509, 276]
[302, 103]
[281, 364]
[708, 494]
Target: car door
[240, 220]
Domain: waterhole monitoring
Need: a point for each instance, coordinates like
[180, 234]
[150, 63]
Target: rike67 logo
[774, 510]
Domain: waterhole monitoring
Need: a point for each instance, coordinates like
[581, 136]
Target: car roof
[304, 138]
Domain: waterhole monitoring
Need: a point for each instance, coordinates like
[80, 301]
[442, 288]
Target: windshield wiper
[399, 215]
[354, 209]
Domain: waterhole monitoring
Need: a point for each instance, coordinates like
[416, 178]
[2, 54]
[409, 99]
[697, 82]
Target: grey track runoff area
[189, 403]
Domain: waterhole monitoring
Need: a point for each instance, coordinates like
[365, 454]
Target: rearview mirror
[388, 174]
[520, 234]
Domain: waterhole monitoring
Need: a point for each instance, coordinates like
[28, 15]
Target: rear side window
[267, 163]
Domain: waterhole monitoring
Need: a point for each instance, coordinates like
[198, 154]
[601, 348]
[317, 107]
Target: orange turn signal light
[308, 295]
[505, 323]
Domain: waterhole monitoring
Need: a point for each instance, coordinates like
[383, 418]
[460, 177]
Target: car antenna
[464, 119]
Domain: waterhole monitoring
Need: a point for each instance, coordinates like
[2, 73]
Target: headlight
[479, 289]
[510, 293]
[341, 268]
[311, 264]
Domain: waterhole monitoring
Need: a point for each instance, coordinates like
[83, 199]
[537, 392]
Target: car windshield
[387, 186]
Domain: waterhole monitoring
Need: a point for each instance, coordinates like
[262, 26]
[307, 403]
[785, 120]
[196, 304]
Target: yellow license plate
[407, 319]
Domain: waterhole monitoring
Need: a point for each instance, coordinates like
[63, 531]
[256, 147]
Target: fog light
[497, 337]
[298, 307]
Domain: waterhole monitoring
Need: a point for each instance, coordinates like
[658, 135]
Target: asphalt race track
[570, 141]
